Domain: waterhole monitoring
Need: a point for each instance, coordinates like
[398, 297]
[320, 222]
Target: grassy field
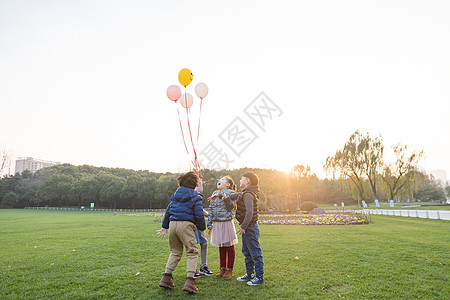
[96, 255]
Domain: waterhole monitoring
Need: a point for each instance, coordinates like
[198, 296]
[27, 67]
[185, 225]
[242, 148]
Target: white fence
[427, 214]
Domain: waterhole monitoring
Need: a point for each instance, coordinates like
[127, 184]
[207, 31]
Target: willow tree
[360, 159]
[371, 156]
[399, 177]
[5, 163]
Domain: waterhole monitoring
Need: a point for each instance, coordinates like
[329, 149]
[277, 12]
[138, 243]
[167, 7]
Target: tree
[58, 187]
[130, 189]
[10, 199]
[147, 191]
[29, 197]
[430, 191]
[300, 171]
[345, 164]
[81, 188]
[360, 159]
[111, 192]
[5, 163]
[304, 184]
[166, 186]
[399, 176]
[96, 183]
[371, 153]
[337, 191]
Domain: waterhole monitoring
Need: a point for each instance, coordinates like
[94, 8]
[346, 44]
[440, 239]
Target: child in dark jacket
[247, 216]
[220, 221]
[183, 216]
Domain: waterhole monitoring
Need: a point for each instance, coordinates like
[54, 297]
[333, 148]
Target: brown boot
[189, 286]
[228, 273]
[166, 281]
[221, 272]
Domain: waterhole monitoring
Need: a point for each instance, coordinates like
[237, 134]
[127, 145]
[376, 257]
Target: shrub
[308, 206]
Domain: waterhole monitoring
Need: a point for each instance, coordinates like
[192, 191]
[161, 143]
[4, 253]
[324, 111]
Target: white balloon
[186, 100]
[201, 90]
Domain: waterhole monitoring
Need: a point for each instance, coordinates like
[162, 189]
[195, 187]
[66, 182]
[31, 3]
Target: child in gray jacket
[220, 223]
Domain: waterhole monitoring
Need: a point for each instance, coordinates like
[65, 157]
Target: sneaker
[256, 281]
[246, 277]
[197, 274]
[204, 270]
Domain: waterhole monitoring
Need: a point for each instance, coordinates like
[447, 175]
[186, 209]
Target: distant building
[32, 164]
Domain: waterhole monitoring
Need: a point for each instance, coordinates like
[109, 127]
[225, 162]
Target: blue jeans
[251, 248]
[199, 237]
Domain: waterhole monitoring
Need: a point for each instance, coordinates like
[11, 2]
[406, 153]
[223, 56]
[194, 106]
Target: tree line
[75, 186]
[357, 172]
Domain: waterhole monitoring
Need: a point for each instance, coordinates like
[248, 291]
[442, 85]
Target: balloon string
[181, 128]
[199, 118]
[196, 164]
[195, 161]
[198, 134]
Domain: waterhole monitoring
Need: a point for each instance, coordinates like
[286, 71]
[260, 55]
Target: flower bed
[300, 219]
[285, 219]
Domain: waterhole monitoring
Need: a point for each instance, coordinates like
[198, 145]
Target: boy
[204, 270]
[247, 216]
[183, 216]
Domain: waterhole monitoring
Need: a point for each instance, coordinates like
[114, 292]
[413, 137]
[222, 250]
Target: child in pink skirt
[220, 223]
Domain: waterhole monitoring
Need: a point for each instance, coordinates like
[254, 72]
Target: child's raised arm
[199, 187]
[230, 201]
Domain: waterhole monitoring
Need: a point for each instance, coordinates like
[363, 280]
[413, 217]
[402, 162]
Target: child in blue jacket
[183, 216]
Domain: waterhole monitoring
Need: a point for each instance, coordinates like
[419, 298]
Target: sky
[84, 82]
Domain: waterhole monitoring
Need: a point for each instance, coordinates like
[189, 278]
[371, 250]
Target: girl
[220, 222]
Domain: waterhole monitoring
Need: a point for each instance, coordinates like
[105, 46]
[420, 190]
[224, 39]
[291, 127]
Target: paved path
[427, 214]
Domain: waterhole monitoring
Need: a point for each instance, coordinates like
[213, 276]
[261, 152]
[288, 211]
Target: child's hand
[241, 231]
[199, 187]
[162, 232]
[212, 198]
[219, 195]
[205, 235]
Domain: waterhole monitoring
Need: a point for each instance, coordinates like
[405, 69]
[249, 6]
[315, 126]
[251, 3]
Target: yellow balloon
[185, 77]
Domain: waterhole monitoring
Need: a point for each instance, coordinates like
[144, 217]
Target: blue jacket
[185, 205]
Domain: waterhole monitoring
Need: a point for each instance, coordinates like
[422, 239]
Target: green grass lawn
[96, 255]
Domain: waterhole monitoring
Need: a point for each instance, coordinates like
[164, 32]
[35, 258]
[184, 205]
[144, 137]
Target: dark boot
[166, 281]
[189, 286]
[221, 272]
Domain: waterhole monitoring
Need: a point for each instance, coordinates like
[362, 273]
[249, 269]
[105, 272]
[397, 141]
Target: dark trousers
[251, 248]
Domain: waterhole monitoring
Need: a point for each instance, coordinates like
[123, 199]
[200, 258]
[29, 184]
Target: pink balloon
[201, 90]
[174, 92]
[186, 100]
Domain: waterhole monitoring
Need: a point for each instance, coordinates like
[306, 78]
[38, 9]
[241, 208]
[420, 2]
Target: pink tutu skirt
[223, 234]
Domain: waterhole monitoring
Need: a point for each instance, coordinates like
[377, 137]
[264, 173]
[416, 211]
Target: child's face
[244, 182]
[223, 184]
